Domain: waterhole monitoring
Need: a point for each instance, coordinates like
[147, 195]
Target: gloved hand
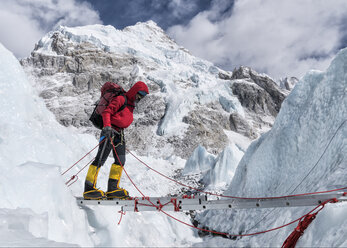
[107, 132]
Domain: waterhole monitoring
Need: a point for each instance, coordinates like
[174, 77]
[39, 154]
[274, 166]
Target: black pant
[106, 147]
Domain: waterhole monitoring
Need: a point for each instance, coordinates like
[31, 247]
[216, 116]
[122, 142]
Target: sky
[279, 38]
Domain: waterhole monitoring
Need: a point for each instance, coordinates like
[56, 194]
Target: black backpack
[108, 91]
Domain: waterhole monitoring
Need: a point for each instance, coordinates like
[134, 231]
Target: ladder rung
[201, 202]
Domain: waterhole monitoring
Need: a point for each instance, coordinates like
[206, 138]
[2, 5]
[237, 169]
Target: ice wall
[34, 149]
[305, 151]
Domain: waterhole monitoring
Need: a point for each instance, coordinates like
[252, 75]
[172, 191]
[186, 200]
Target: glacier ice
[223, 170]
[305, 151]
[216, 172]
[199, 162]
[34, 150]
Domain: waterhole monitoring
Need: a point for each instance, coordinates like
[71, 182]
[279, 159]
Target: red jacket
[123, 118]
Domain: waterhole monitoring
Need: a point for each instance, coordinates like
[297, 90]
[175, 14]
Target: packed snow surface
[305, 151]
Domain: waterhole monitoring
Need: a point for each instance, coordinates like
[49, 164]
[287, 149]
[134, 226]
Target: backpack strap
[120, 109]
[124, 105]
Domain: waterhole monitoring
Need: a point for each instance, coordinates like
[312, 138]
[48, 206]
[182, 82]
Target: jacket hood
[138, 86]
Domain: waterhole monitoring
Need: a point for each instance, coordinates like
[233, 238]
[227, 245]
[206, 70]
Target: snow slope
[305, 151]
[37, 209]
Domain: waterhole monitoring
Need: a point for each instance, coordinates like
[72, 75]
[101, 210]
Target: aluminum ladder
[201, 202]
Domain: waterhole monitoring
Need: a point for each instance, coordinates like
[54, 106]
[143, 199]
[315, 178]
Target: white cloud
[179, 8]
[281, 38]
[24, 22]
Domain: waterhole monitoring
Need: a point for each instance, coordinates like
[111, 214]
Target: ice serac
[215, 173]
[220, 176]
[191, 101]
[38, 206]
[200, 161]
[305, 151]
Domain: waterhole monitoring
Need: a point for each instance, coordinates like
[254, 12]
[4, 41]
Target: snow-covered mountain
[195, 111]
[191, 101]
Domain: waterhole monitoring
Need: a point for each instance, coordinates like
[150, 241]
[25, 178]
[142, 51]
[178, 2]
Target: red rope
[121, 216]
[188, 196]
[223, 233]
[143, 195]
[293, 238]
[174, 202]
[249, 234]
[290, 242]
[159, 207]
[83, 157]
[234, 197]
[75, 176]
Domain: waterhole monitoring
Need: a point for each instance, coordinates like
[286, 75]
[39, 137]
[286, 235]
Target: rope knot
[74, 178]
[160, 206]
[188, 196]
[136, 202]
[176, 206]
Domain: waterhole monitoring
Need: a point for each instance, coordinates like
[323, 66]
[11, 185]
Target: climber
[114, 122]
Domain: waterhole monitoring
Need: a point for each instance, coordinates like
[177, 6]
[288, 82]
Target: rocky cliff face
[191, 101]
[261, 98]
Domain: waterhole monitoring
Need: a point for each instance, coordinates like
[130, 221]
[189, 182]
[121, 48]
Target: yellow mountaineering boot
[113, 190]
[90, 190]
